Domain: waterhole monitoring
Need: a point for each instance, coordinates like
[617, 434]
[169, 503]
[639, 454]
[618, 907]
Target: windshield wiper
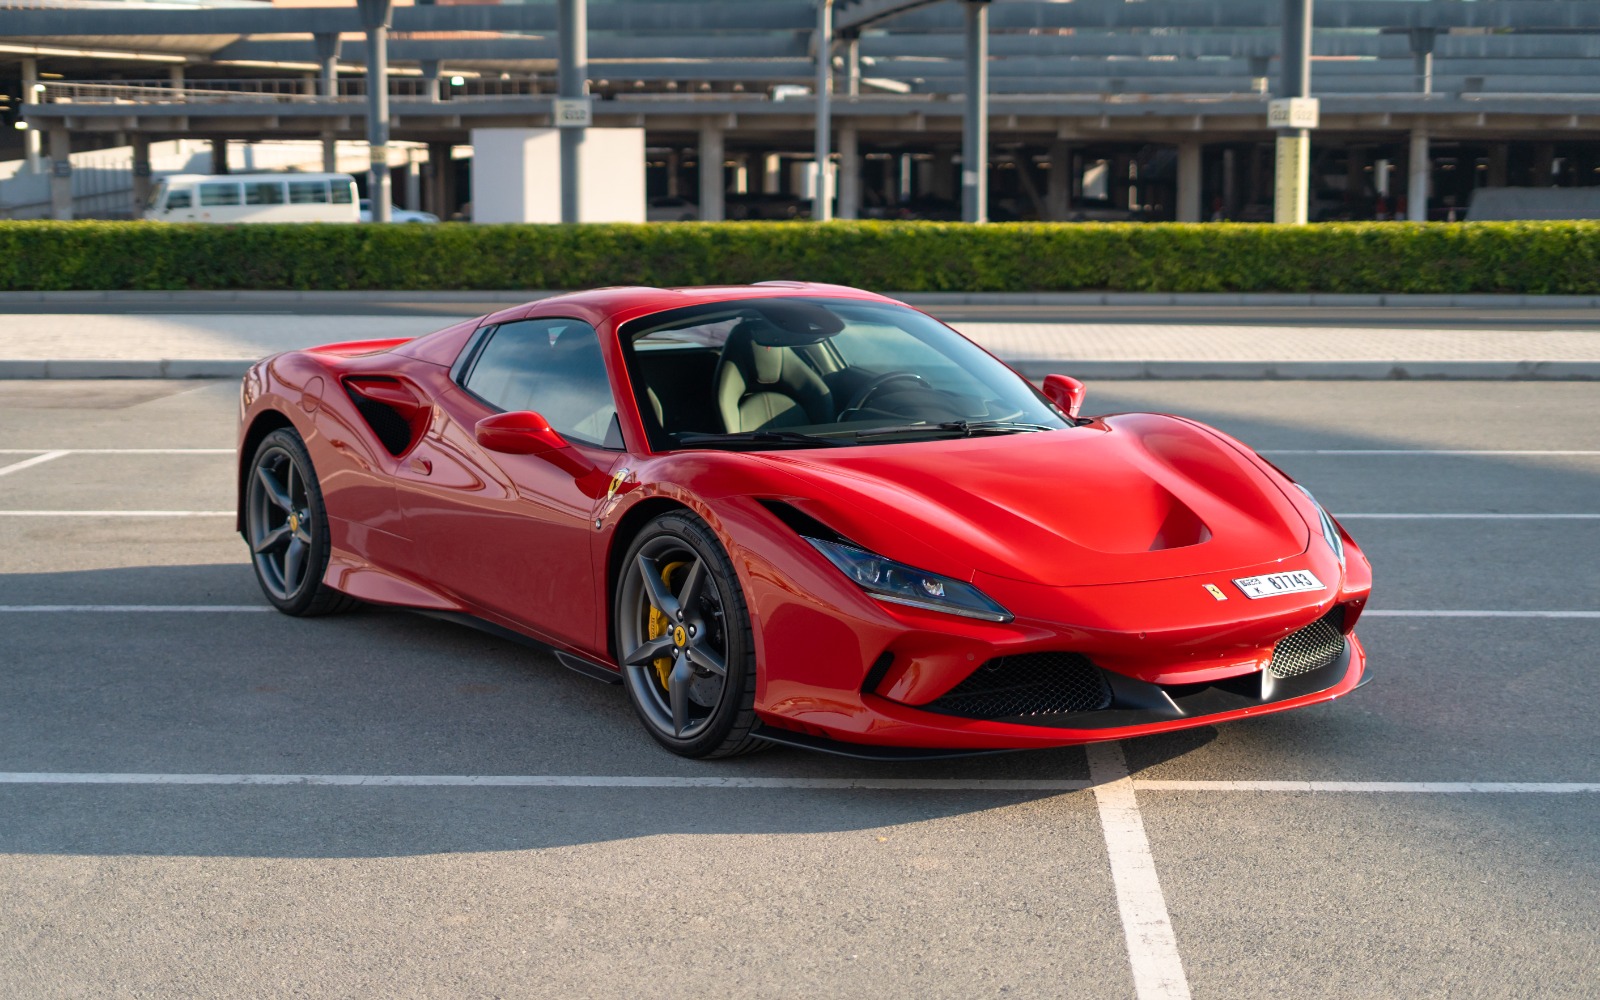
[966, 428]
[756, 437]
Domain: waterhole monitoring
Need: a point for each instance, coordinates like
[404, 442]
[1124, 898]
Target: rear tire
[286, 527]
[682, 635]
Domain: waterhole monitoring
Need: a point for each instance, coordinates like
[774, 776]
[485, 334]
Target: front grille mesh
[1311, 648]
[1030, 684]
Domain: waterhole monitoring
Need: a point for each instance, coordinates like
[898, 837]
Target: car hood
[1126, 498]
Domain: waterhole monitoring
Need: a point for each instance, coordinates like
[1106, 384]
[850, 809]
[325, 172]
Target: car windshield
[808, 372]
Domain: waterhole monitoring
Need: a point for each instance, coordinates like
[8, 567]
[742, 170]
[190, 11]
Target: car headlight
[898, 583]
[1330, 531]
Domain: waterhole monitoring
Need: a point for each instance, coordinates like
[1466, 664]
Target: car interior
[822, 368]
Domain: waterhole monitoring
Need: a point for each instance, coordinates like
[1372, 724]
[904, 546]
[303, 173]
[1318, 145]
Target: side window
[180, 198]
[264, 193]
[219, 194]
[550, 366]
[342, 191]
[308, 192]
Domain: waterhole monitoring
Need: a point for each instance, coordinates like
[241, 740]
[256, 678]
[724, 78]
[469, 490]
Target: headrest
[791, 323]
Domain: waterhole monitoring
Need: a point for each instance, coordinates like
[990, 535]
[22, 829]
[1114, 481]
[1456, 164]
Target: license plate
[1274, 584]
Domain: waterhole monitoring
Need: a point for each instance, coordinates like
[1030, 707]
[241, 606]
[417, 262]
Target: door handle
[421, 466]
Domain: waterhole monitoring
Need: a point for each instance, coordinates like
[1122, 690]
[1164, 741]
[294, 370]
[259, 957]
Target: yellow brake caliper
[660, 625]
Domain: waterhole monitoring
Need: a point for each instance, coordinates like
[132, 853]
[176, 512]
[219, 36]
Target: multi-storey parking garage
[1093, 109]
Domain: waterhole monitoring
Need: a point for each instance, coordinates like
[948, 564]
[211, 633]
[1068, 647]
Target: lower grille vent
[1311, 648]
[1030, 684]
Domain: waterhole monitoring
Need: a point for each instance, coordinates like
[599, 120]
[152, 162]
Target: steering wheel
[867, 391]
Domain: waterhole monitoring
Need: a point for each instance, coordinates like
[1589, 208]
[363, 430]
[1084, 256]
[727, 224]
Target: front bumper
[1138, 708]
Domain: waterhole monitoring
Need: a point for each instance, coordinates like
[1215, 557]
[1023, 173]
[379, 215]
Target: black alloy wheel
[286, 526]
[683, 638]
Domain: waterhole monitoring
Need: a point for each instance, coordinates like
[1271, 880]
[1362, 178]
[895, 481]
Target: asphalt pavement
[215, 800]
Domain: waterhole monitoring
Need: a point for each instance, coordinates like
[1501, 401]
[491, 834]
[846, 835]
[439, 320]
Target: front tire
[286, 526]
[683, 637]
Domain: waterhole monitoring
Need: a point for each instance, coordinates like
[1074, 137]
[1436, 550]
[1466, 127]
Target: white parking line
[1152, 946]
[547, 781]
[1362, 452]
[1340, 516]
[1387, 613]
[144, 609]
[236, 608]
[1376, 787]
[29, 463]
[123, 451]
[791, 784]
[117, 513]
[1468, 517]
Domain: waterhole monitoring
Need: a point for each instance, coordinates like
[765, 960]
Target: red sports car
[801, 514]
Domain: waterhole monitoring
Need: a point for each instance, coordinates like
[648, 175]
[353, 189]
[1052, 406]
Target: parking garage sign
[572, 112]
[1293, 112]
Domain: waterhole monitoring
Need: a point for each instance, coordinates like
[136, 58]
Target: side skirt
[572, 661]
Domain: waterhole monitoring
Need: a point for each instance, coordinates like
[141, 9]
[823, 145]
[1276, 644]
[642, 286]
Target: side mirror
[1066, 392]
[520, 432]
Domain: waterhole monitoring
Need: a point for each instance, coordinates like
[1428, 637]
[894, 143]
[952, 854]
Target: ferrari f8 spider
[801, 514]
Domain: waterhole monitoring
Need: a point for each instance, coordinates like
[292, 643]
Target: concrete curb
[1549, 371]
[345, 299]
[1366, 371]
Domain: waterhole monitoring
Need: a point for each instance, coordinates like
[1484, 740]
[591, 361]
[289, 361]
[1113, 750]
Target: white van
[254, 198]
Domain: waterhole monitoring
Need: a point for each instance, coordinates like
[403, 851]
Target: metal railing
[282, 90]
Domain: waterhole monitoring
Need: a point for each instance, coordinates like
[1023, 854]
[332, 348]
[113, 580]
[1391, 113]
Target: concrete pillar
[440, 169]
[1230, 184]
[1417, 189]
[852, 66]
[711, 184]
[431, 73]
[375, 18]
[328, 74]
[891, 182]
[1189, 181]
[219, 156]
[60, 175]
[413, 181]
[741, 174]
[175, 81]
[141, 172]
[1118, 188]
[572, 74]
[1544, 161]
[327, 46]
[1058, 193]
[849, 173]
[975, 116]
[942, 176]
[1422, 41]
[1355, 177]
[673, 164]
[1499, 158]
[1293, 174]
[32, 139]
[771, 174]
[821, 203]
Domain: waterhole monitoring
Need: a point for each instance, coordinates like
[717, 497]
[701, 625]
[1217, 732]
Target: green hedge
[1529, 258]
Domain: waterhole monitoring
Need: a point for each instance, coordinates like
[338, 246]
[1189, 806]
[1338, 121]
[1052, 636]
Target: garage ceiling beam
[1019, 14]
[723, 16]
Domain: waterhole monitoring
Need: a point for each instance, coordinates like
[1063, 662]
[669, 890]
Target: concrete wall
[516, 175]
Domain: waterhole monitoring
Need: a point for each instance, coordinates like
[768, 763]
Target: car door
[513, 535]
